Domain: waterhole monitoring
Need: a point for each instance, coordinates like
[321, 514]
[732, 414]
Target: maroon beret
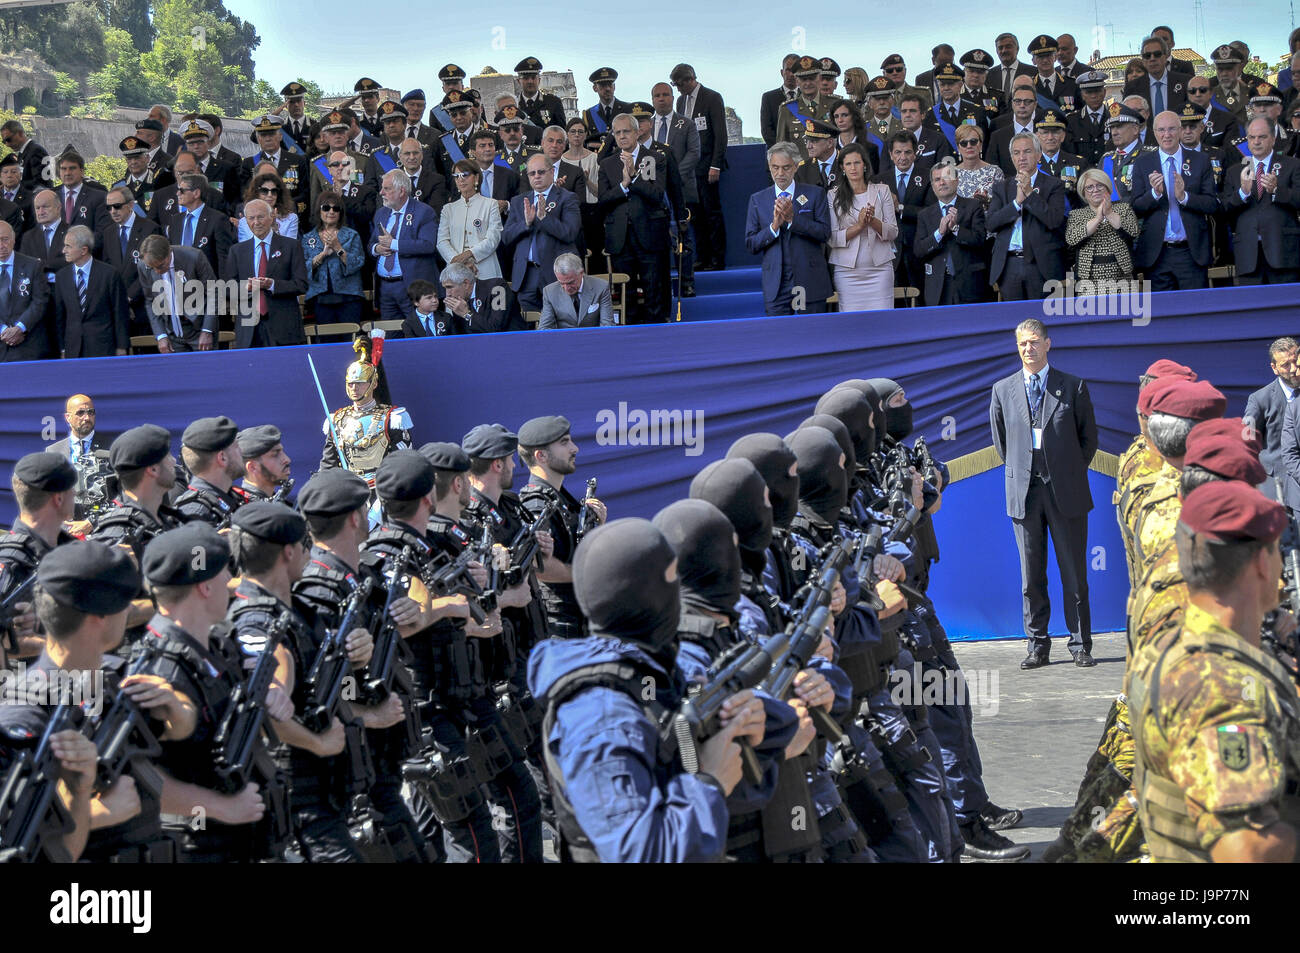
[1167, 368]
[1195, 400]
[1227, 447]
[1230, 511]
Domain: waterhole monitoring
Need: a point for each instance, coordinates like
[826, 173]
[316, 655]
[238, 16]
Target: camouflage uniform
[792, 129]
[1139, 466]
[1154, 520]
[1218, 741]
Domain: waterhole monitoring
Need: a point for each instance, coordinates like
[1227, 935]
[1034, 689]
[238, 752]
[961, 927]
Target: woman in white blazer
[863, 229]
[469, 228]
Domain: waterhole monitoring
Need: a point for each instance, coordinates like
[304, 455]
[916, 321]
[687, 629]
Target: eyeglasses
[896, 69]
[188, 188]
[114, 206]
[532, 172]
[337, 165]
[83, 413]
[1096, 187]
[1153, 54]
[968, 142]
[330, 208]
[268, 191]
[1022, 101]
[1197, 90]
[462, 175]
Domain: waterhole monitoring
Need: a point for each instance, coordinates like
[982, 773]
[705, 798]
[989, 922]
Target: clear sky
[735, 47]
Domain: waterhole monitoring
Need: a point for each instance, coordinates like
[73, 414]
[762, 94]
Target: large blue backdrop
[733, 377]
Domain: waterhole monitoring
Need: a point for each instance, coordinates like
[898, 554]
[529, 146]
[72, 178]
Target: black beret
[273, 522]
[333, 492]
[210, 434]
[153, 124]
[255, 441]
[540, 431]
[140, 447]
[404, 475]
[490, 442]
[50, 472]
[89, 576]
[185, 556]
[446, 456]
[10, 159]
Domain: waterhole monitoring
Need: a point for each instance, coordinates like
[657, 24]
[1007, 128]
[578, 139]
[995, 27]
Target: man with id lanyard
[1045, 432]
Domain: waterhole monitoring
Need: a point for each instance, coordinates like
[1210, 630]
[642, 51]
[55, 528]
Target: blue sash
[290, 143]
[503, 164]
[1108, 166]
[897, 115]
[793, 107]
[597, 122]
[1045, 101]
[875, 141]
[1243, 148]
[385, 161]
[948, 129]
[323, 168]
[453, 150]
[440, 114]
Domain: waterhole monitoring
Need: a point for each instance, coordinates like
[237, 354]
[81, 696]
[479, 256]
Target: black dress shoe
[984, 845]
[688, 290]
[1000, 818]
[1034, 660]
[1083, 659]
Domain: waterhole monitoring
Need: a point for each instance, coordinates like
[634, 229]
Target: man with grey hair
[168, 141]
[175, 281]
[789, 224]
[24, 294]
[404, 243]
[573, 300]
[271, 273]
[91, 313]
[543, 223]
[950, 242]
[198, 225]
[482, 304]
[1026, 216]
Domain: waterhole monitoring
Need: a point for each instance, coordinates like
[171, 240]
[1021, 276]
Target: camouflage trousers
[1118, 839]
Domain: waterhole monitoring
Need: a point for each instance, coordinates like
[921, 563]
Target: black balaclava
[864, 388]
[838, 431]
[772, 458]
[618, 578]
[855, 412]
[708, 560]
[898, 420]
[738, 491]
[823, 482]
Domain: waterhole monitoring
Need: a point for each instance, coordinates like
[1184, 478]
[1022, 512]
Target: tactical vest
[1170, 831]
[18, 554]
[628, 678]
[128, 522]
[564, 615]
[212, 507]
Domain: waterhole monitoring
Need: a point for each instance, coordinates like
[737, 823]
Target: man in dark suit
[404, 239]
[1266, 411]
[952, 110]
[770, 106]
[1001, 76]
[427, 185]
[480, 304]
[633, 189]
[497, 180]
[600, 117]
[1173, 249]
[704, 107]
[174, 282]
[423, 133]
[909, 181]
[544, 109]
[38, 172]
[12, 191]
[1044, 430]
[24, 294]
[930, 142]
[1160, 87]
[166, 202]
[949, 243]
[682, 139]
[566, 174]
[44, 241]
[543, 222]
[1067, 52]
[272, 268]
[789, 224]
[1261, 197]
[119, 245]
[1221, 126]
[171, 143]
[939, 55]
[197, 224]
[1026, 215]
[291, 168]
[90, 308]
[82, 201]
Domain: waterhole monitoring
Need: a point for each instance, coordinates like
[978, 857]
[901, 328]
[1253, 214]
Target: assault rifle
[124, 740]
[238, 735]
[33, 819]
[523, 548]
[387, 672]
[584, 517]
[21, 593]
[282, 491]
[742, 666]
[453, 578]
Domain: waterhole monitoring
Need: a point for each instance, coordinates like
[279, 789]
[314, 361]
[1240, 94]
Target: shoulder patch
[1234, 748]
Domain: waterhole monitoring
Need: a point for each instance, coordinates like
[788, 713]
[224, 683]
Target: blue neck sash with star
[948, 129]
[793, 107]
[597, 121]
[453, 149]
[323, 168]
[1108, 166]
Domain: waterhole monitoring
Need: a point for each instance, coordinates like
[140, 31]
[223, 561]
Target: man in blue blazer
[404, 240]
[1173, 249]
[789, 224]
[1044, 429]
[542, 224]
[24, 292]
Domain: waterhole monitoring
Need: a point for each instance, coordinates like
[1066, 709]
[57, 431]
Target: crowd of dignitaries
[454, 206]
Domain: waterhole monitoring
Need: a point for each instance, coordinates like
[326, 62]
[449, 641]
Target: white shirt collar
[128, 224]
[777, 190]
[1177, 157]
[8, 262]
[1042, 375]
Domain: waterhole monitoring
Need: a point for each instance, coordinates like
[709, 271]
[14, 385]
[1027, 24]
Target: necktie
[1158, 96]
[1259, 184]
[486, 187]
[85, 448]
[576, 312]
[81, 289]
[4, 292]
[263, 305]
[125, 239]
[538, 198]
[187, 234]
[1174, 231]
[661, 129]
[902, 186]
[387, 262]
[826, 171]
[171, 302]
[10, 195]
[49, 238]
[952, 115]
[427, 321]
[1035, 395]
[68, 206]
[1006, 79]
[410, 132]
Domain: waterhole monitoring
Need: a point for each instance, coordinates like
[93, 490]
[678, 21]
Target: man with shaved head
[44, 241]
[24, 293]
[87, 450]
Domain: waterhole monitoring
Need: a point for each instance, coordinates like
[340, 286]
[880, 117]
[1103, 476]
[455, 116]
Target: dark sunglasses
[1153, 54]
[1197, 90]
[337, 165]
[968, 142]
[330, 208]
[268, 191]
[114, 206]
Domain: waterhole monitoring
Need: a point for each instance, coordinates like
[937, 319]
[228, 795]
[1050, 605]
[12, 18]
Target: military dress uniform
[367, 436]
[544, 109]
[793, 117]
